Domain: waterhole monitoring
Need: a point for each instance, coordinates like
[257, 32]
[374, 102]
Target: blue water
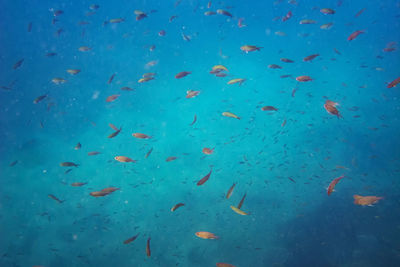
[284, 169]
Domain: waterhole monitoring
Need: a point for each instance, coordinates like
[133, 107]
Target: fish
[39, 98]
[355, 34]
[210, 13]
[185, 37]
[204, 179]
[182, 74]
[269, 108]
[310, 57]
[78, 146]
[172, 18]
[146, 79]
[131, 239]
[207, 151]
[274, 66]
[250, 48]
[330, 107]
[366, 201]
[57, 12]
[77, 184]
[148, 251]
[359, 12]
[73, 71]
[68, 164]
[140, 15]
[287, 60]
[393, 83]
[294, 91]
[240, 23]
[18, 64]
[219, 68]
[117, 20]
[111, 78]
[67, 171]
[230, 191]
[326, 26]
[238, 211]
[148, 153]
[114, 134]
[224, 12]
[13, 163]
[222, 264]
[84, 48]
[170, 159]
[148, 74]
[111, 98]
[287, 16]
[94, 7]
[126, 88]
[124, 159]
[141, 136]
[303, 78]
[333, 184]
[104, 192]
[162, 33]
[93, 153]
[191, 93]
[291, 179]
[29, 27]
[283, 123]
[307, 21]
[194, 120]
[55, 198]
[209, 4]
[327, 11]
[229, 114]
[237, 80]
[176, 206]
[206, 235]
[58, 80]
[241, 201]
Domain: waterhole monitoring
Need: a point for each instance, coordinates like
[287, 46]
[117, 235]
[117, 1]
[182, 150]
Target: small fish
[114, 134]
[117, 20]
[58, 80]
[111, 78]
[206, 235]
[238, 211]
[104, 192]
[241, 201]
[18, 64]
[73, 71]
[191, 93]
[78, 146]
[94, 7]
[67, 171]
[84, 48]
[55, 198]
[111, 98]
[326, 26]
[307, 21]
[140, 15]
[126, 88]
[29, 26]
[39, 98]
[172, 18]
[170, 159]
[185, 37]
[93, 153]
[222, 264]
[210, 13]
[237, 80]
[57, 12]
[327, 11]
[13, 163]
[330, 107]
[131, 239]
[303, 78]
[287, 60]
[287, 16]
[219, 68]
[274, 66]
[366, 201]
[77, 184]
[148, 74]
[141, 136]
[355, 34]
[194, 120]
[148, 251]
[393, 83]
[360, 12]
[283, 123]
[229, 114]
[291, 179]
[333, 184]
[250, 48]
[310, 57]
[224, 12]
[146, 79]
[204, 179]
[240, 23]
[207, 151]
[68, 164]
[182, 74]
[148, 153]
[162, 33]
[230, 191]
[269, 108]
[175, 207]
[124, 159]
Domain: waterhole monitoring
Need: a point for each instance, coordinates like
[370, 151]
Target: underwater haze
[200, 133]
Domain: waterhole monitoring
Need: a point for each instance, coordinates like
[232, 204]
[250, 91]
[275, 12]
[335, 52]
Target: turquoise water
[282, 160]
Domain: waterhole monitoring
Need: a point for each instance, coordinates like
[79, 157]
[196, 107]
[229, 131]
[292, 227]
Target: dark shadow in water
[341, 234]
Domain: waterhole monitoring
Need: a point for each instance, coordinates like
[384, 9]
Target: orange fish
[221, 264]
[124, 159]
[330, 107]
[111, 98]
[250, 48]
[78, 184]
[207, 151]
[333, 184]
[141, 136]
[148, 251]
[366, 201]
[175, 207]
[129, 240]
[303, 78]
[104, 192]
[393, 83]
[204, 179]
[191, 93]
[354, 35]
[230, 191]
[206, 235]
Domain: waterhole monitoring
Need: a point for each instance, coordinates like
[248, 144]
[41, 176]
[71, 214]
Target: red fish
[182, 74]
[393, 83]
[330, 107]
[148, 251]
[191, 93]
[111, 98]
[303, 78]
[354, 35]
[141, 136]
[366, 201]
[287, 16]
[310, 57]
[204, 179]
[333, 184]
[207, 151]
[240, 23]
